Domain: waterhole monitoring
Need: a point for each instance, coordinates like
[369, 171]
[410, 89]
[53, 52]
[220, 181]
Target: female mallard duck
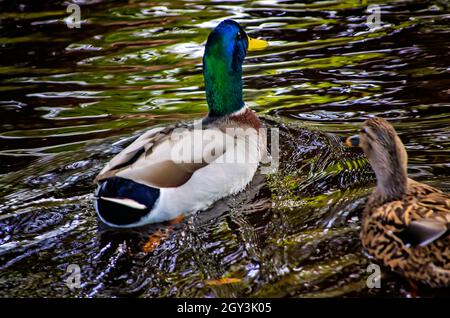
[171, 171]
[405, 223]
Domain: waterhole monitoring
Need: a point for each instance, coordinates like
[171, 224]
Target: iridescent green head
[225, 51]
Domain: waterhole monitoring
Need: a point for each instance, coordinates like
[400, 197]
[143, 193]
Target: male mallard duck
[405, 224]
[171, 171]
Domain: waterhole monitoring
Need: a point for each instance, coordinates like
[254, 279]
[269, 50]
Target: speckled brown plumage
[405, 224]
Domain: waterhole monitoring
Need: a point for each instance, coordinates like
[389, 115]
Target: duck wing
[425, 231]
[166, 157]
[418, 189]
[429, 219]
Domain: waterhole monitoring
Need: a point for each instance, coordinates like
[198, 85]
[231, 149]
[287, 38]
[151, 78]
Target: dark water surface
[71, 98]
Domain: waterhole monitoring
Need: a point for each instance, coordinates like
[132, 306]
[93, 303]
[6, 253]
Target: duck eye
[239, 35]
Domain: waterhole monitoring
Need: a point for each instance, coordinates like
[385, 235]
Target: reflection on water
[71, 98]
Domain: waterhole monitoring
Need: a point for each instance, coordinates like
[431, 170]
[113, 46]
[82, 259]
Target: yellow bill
[256, 44]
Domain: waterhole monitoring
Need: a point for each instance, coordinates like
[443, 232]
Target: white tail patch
[128, 202]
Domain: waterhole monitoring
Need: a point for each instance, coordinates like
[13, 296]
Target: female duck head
[225, 51]
[386, 154]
